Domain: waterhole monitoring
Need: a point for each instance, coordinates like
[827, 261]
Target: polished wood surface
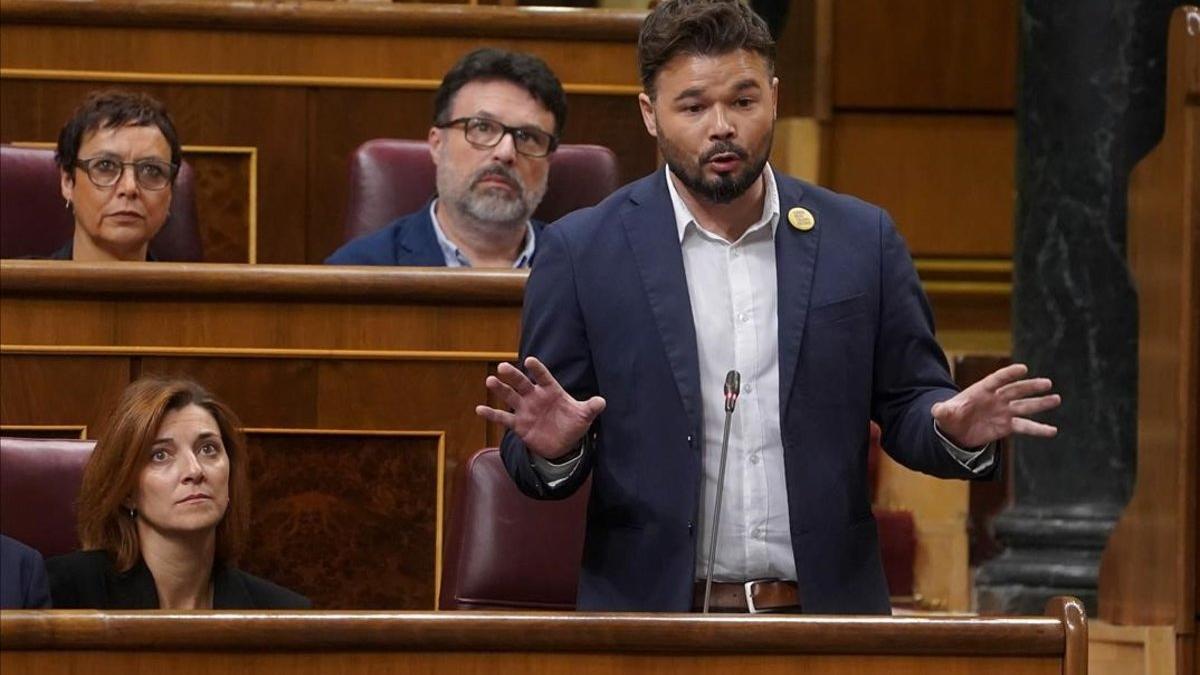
[486, 642]
[387, 19]
[1149, 569]
[925, 54]
[947, 180]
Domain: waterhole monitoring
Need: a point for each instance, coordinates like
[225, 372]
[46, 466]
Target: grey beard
[491, 208]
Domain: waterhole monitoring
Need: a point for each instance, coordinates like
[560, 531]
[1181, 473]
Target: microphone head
[733, 387]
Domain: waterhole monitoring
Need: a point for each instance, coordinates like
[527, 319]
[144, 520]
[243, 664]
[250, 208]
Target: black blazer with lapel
[86, 580]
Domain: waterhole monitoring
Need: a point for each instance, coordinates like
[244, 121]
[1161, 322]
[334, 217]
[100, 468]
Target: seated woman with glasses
[118, 157]
[164, 510]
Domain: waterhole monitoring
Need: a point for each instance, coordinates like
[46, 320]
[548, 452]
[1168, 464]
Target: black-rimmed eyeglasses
[486, 133]
[150, 174]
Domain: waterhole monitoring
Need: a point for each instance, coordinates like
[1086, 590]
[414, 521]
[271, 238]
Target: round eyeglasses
[486, 133]
[150, 174]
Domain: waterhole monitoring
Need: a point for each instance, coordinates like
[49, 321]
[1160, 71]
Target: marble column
[1089, 106]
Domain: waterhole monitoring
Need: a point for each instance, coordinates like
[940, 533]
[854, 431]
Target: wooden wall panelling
[349, 518]
[68, 391]
[925, 54]
[948, 181]
[226, 201]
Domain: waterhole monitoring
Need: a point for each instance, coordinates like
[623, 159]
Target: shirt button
[757, 533]
[749, 387]
[742, 317]
[754, 458]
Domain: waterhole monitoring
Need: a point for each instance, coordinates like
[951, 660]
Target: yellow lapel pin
[802, 219]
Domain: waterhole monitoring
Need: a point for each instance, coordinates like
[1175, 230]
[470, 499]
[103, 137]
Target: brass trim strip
[80, 430]
[419, 84]
[974, 288]
[977, 265]
[257, 352]
[439, 509]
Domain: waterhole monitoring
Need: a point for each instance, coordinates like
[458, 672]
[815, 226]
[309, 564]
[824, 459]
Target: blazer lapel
[417, 244]
[649, 222]
[795, 265]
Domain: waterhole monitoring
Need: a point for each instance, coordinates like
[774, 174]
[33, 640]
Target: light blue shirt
[454, 256]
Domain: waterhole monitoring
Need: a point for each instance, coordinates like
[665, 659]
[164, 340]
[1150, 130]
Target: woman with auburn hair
[164, 510]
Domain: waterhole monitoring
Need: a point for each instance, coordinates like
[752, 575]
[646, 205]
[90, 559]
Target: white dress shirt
[734, 296]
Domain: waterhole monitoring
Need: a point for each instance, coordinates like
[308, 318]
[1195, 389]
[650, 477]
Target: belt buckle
[748, 587]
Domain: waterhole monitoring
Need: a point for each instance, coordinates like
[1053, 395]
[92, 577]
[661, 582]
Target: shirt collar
[455, 258]
[770, 212]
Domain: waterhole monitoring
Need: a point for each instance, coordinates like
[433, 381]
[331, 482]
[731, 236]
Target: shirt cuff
[553, 474]
[977, 461]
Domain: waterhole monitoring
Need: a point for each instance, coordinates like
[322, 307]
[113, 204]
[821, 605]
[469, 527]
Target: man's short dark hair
[112, 109]
[524, 70]
[702, 28]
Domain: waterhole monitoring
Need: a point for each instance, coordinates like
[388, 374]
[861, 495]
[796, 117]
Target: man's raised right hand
[544, 415]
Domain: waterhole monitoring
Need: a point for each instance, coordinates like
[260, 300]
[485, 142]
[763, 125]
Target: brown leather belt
[761, 595]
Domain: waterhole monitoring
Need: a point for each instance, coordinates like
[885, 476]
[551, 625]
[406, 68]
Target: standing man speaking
[638, 307]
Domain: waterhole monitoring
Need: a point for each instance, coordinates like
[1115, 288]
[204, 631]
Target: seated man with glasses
[497, 118]
[118, 156]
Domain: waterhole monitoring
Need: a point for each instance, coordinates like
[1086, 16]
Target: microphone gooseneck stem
[712, 542]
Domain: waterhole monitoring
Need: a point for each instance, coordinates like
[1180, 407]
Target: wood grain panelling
[349, 520]
[60, 390]
[925, 54]
[947, 181]
[223, 203]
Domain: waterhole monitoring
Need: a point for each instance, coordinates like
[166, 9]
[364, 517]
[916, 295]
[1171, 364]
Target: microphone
[733, 387]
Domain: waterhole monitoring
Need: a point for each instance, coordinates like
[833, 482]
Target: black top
[86, 580]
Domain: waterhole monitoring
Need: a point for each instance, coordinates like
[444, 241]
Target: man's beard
[490, 205]
[725, 187]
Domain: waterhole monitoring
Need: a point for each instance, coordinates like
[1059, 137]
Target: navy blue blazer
[22, 576]
[408, 241]
[607, 309]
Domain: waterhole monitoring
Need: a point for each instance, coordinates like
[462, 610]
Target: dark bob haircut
[112, 109]
[524, 70]
[701, 28]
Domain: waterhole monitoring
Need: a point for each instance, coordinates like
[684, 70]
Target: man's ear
[435, 143]
[647, 107]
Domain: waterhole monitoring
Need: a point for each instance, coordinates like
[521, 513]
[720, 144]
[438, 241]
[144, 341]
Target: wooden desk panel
[494, 643]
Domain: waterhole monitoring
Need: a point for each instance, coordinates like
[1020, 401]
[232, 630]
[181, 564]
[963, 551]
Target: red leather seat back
[390, 178]
[34, 220]
[897, 529]
[507, 550]
[39, 483]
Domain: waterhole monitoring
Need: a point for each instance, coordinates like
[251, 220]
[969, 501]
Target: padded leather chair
[390, 178]
[505, 550]
[39, 483]
[34, 221]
